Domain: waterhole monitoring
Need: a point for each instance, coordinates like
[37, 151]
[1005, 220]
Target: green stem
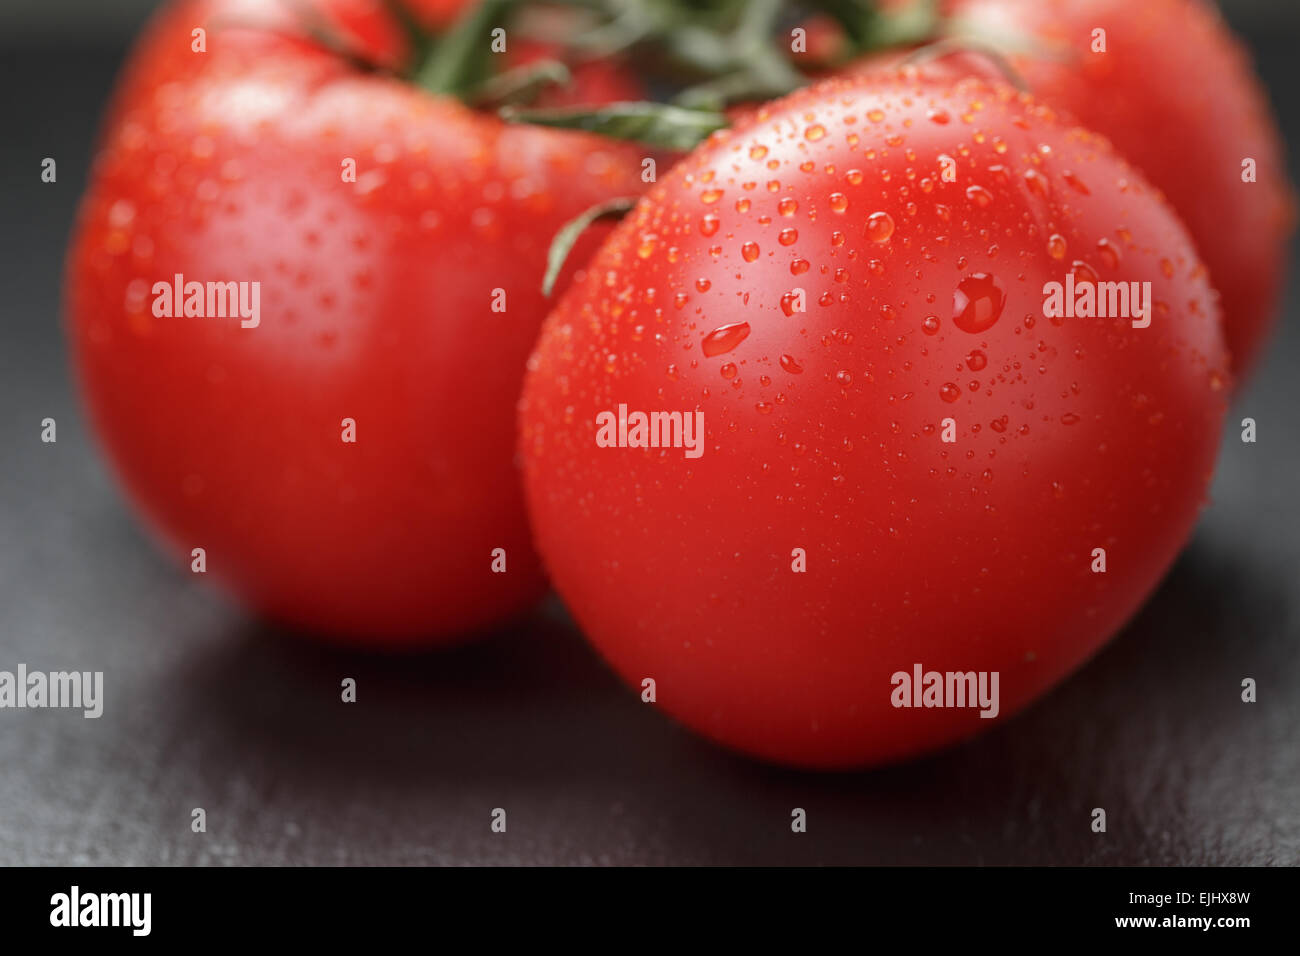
[565, 239]
[521, 85]
[458, 62]
[655, 124]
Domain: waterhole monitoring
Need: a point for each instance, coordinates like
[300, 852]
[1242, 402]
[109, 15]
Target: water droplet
[976, 360]
[839, 202]
[787, 237]
[1069, 418]
[728, 370]
[709, 225]
[1036, 182]
[790, 365]
[977, 303]
[949, 392]
[1075, 182]
[814, 132]
[880, 226]
[930, 324]
[799, 266]
[979, 195]
[749, 251]
[757, 152]
[1056, 245]
[1082, 271]
[703, 284]
[938, 116]
[844, 377]
[724, 338]
[710, 196]
[1108, 253]
[787, 206]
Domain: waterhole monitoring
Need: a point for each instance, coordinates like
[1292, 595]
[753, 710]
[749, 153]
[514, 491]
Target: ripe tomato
[379, 303]
[825, 428]
[1176, 95]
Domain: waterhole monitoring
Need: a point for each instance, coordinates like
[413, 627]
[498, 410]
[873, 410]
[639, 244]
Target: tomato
[1175, 93]
[379, 304]
[824, 429]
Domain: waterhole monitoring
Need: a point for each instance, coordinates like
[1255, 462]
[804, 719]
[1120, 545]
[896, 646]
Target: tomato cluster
[880, 412]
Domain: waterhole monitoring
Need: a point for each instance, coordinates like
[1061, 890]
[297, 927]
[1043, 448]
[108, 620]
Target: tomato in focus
[834, 308]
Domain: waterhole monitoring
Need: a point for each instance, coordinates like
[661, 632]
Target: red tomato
[1176, 95]
[376, 305]
[824, 429]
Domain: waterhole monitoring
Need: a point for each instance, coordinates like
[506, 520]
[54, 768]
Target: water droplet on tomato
[880, 226]
[1082, 271]
[724, 338]
[1075, 183]
[1036, 182]
[977, 303]
[1108, 253]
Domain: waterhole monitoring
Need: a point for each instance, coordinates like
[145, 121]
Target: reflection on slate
[207, 708]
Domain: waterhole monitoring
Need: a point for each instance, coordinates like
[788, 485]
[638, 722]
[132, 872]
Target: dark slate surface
[209, 708]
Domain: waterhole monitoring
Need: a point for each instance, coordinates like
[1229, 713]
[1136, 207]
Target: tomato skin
[1176, 94]
[376, 305]
[967, 556]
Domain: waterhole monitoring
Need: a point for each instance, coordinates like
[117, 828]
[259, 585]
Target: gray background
[209, 708]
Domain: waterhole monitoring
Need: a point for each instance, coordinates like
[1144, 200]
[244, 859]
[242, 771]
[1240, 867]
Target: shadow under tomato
[532, 719]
